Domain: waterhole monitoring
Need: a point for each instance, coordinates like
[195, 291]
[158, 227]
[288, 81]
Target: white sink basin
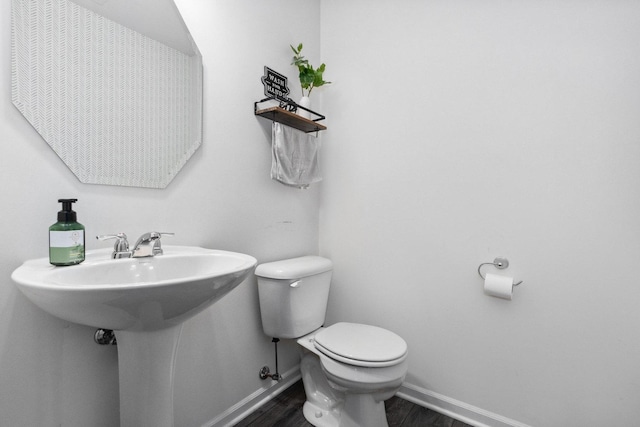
[145, 301]
[134, 293]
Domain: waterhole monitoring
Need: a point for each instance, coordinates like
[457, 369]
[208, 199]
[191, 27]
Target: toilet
[348, 369]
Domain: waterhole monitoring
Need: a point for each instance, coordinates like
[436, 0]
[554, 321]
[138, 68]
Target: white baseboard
[453, 408]
[456, 409]
[252, 402]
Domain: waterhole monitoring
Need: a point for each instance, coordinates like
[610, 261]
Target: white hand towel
[295, 156]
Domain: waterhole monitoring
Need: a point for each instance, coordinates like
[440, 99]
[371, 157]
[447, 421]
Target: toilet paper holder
[499, 263]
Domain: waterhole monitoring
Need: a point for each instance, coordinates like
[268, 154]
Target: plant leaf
[318, 79]
[307, 76]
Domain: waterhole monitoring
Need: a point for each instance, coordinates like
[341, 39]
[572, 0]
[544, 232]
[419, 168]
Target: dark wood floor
[285, 410]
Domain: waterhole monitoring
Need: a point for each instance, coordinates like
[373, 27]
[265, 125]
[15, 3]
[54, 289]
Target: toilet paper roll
[498, 286]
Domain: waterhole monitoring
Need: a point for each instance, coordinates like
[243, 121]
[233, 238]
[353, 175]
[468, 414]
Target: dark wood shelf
[288, 118]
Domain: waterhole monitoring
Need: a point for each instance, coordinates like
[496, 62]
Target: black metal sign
[275, 85]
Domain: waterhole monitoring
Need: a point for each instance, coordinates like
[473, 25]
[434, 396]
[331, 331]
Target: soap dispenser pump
[66, 237]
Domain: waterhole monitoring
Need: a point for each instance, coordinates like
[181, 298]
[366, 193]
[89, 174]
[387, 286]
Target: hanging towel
[295, 156]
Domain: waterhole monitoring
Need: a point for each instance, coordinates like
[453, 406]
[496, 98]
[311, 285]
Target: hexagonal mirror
[113, 86]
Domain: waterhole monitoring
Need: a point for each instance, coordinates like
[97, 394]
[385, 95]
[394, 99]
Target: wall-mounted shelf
[289, 118]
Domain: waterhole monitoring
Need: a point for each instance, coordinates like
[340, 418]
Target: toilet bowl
[343, 390]
[348, 369]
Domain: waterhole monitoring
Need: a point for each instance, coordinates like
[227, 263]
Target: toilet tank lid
[294, 268]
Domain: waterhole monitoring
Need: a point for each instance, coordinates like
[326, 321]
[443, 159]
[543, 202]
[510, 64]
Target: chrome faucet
[120, 248]
[147, 245]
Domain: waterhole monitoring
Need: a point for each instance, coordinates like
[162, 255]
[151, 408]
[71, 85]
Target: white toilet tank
[293, 295]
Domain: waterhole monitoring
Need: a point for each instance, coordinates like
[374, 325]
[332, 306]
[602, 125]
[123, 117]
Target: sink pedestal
[146, 361]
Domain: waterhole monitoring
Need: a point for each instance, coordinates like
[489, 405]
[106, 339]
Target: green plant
[309, 77]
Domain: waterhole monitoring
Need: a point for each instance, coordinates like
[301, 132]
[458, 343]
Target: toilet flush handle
[295, 284]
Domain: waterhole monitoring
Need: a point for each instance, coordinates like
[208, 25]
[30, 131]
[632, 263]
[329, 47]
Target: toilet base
[359, 411]
[318, 416]
[323, 405]
[363, 410]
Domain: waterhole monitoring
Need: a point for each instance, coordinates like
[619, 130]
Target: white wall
[464, 130]
[51, 372]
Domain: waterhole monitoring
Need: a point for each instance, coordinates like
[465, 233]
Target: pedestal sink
[145, 301]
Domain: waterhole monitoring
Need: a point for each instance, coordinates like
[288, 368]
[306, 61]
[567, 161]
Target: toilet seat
[361, 345]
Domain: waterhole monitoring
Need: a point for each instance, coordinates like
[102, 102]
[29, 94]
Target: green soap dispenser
[66, 237]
